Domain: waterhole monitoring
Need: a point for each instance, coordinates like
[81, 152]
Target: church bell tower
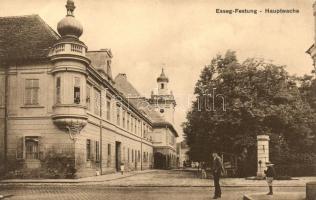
[164, 102]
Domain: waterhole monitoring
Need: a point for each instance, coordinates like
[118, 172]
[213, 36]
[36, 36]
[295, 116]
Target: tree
[236, 102]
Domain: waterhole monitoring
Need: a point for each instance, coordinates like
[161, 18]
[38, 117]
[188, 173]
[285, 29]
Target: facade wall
[120, 139]
[164, 148]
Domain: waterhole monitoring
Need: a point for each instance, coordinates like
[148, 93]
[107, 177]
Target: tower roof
[162, 77]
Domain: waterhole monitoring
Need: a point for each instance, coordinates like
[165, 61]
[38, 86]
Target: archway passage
[159, 161]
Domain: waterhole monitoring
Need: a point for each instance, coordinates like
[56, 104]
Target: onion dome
[162, 77]
[69, 26]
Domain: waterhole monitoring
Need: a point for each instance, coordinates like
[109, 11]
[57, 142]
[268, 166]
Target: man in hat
[270, 174]
[217, 170]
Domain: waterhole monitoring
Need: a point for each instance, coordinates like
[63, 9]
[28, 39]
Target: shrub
[59, 165]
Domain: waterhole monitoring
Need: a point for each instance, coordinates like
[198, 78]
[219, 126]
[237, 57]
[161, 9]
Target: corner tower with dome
[163, 101]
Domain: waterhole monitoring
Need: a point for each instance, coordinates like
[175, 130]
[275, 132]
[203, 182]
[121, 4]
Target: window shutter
[92, 150]
[35, 96]
[20, 147]
[28, 96]
[40, 148]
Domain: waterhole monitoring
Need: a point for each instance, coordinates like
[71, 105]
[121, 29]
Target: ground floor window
[31, 145]
[132, 155]
[97, 151]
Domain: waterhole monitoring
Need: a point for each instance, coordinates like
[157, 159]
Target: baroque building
[57, 98]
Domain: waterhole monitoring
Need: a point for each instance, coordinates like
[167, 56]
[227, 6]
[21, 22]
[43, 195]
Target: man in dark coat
[270, 174]
[217, 170]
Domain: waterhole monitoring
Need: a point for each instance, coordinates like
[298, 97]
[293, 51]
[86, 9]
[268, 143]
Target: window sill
[32, 106]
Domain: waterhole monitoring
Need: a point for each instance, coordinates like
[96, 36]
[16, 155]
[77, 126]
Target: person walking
[217, 170]
[270, 175]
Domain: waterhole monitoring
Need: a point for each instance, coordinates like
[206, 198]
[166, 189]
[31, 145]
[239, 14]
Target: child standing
[270, 174]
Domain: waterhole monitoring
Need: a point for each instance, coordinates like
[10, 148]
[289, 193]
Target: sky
[183, 36]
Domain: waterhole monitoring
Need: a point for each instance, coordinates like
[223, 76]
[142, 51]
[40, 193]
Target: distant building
[183, 150]
[163, 135]
[58, 98]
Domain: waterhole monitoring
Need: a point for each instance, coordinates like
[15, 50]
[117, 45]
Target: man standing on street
[270, 174]
[217, 170]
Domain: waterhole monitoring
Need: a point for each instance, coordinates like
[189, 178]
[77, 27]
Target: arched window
[162, 86]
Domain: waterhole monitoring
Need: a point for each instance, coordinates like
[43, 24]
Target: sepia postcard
[158, 99]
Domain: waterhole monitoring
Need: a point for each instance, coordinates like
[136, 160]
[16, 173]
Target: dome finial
[69, 26]
[70, 7]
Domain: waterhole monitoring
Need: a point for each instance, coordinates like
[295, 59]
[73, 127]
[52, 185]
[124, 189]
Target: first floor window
[97, 102]
[123, 117]
[118, 115]
[31, 91]
[88, 149]
[88, 99]
[77, 90]
[108, 108]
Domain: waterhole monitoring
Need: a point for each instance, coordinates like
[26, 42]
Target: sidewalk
[93, 179]
[277, 196]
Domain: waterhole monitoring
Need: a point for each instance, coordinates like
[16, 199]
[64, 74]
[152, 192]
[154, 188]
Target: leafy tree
[238, 101]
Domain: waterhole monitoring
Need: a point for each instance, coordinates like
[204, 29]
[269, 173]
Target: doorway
[117, 156]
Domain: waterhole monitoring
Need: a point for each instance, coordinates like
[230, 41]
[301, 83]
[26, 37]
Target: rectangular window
[97, 95]
[135, 126]
[58, 90]
[88, 98]
[88, 149]
[31, 145]
[132, 155]
[109, 149]
[123, 117]
[132, 124]
[97, 151]
[108, 108]
[118, 115]
[138, 156]
[77, 90]
[31, 91]
[127, 121]
[144, 131]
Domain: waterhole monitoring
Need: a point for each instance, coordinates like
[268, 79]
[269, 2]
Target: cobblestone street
[151, 185]
[97, 192]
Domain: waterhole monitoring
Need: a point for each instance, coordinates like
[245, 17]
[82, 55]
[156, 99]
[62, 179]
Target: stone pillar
[262, 153]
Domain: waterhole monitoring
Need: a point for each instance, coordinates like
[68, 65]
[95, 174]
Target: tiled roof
[124, 86]
[141, 103]
[99, 60]
[134, 97]
[25, 38]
